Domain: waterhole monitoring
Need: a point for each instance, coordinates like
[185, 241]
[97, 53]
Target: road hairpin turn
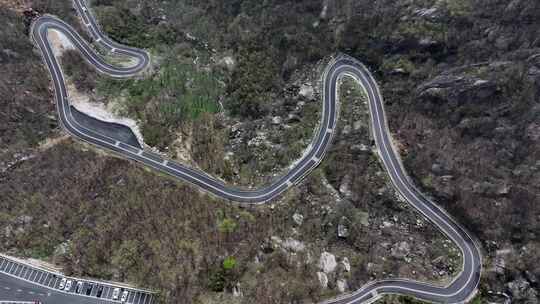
[459, 290]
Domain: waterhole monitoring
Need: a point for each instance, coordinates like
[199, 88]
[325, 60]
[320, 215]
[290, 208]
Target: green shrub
[227, 225]
[229, 263]
[223, 276]
[180, 93]
[216, 281]
[458, 8]
[251, 82]
[133, 30]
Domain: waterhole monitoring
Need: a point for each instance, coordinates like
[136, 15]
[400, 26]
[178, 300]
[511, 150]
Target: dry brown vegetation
[473, 147]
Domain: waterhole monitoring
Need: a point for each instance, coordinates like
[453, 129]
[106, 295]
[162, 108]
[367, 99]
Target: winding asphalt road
[459, 290]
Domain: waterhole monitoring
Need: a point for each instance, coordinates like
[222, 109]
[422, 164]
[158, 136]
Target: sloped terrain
[461, 82]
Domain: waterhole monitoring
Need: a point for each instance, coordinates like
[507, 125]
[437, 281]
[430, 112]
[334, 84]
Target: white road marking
[445, 224]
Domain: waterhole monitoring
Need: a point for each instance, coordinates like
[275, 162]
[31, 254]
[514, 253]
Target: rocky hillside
[461, 81]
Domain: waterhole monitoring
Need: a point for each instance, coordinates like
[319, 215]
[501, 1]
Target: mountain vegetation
[461, 82]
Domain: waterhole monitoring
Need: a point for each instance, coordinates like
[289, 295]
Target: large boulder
[327, 262]
[456, 88]
[293, 245]
[298, 219]
[342, 285]
[346, 264]
[307, 91]
[343, 227]
[289, 245]
[323, 279]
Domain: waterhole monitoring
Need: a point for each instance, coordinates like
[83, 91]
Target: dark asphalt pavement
[460, 290]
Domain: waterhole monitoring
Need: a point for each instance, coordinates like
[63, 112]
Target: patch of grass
[250, 83]
[398, 62]
[479, 299]
[229, 263]
[458, 8]
[179, 93]
[227, 225]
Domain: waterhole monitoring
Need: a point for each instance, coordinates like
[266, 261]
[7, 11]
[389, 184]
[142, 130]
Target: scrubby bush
[251, 83]
[179, 94]
[229, 263]
[83, 76]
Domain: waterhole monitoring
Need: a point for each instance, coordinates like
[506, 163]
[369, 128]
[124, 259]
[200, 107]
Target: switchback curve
[459, 290]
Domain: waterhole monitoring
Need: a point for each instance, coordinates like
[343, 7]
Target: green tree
[229, 263]
[227, 225]
[251, 82]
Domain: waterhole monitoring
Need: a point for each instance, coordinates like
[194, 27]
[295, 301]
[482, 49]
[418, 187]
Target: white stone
[62, 249]
[360, 147]
[237, 292]
[276, 241]
[324, 12]
[306, 90]
[342, 285]
[327, 262]
[343, 227]
[298, 219]
[402, 249]
[229, 62]
[293, 245]
[288, 244]
[430, 13]
[276, 120]
[323, 279]
[309, 257]
[60, 42]
[345, 186]
[346, 264]
[387, 224]
[8, 231]
[24, 219]
[228, 155]
[480, 82]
